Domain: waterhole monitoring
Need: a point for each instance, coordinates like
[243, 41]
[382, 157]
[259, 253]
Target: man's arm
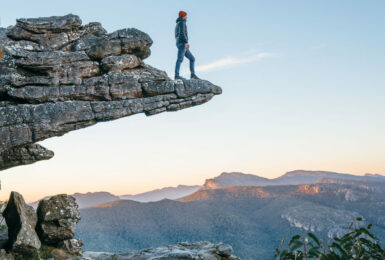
[183, 32]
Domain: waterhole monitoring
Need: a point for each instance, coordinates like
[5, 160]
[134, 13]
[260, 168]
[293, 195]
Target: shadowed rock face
[57, 75]
[24, 155]
[21, 220]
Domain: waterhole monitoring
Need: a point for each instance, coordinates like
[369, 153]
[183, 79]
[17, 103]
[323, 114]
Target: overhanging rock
[57, 75]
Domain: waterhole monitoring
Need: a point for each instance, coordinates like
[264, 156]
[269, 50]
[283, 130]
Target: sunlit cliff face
[210, 184]
[310, 189]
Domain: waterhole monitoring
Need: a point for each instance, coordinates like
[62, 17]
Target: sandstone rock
[120, 62]
[104, 49]
[5, 256]
[24, 155]
[185, 251]
[59, 254]
[21, 221]
[57, 75]
[224, 250]
[50, 24]
[57, 219]
[48, 34]
[72, 246]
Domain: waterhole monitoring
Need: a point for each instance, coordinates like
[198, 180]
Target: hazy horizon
[169, 186]
[303, 88]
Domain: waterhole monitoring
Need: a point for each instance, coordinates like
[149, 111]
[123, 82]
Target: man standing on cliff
[183, 46]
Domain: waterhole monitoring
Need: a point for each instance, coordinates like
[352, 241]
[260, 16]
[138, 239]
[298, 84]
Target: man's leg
[192, 61]
[181, 53]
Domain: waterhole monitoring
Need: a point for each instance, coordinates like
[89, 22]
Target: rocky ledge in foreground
[185, 251]
[57, 75]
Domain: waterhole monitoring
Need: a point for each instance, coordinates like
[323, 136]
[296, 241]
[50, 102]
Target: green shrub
[357, 243]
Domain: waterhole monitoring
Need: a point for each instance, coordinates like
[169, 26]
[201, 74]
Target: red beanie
[182, 14]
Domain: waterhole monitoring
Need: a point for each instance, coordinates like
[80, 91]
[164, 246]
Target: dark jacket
[181, 31]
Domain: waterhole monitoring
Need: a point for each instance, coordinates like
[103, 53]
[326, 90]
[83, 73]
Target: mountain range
[172, 193]
[289, 178]
[235, 208]
[90, 199]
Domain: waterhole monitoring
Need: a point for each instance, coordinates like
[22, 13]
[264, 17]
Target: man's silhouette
[183, 46]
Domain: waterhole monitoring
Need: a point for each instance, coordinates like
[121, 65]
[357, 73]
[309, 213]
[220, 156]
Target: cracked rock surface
[57, 75]
[57, 219]
[21, 221]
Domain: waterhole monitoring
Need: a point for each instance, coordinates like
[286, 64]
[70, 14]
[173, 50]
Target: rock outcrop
[49, 233]
[57, 75]
[24, 155]
[186, 251]
[57, 219]
[21, 220]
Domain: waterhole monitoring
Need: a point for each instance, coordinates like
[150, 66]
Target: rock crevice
[57, 75]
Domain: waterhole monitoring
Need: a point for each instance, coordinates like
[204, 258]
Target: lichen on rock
[57, 219]
[57, 75]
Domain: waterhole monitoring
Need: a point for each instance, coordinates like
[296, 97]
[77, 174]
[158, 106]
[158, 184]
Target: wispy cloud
[233, 61]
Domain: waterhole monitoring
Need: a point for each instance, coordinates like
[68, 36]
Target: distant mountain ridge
[349, 190]
[88, 199]
[296, 177]
[91, 199]
[224, 180]
[172, 193]
[252, 219]
[235, 179]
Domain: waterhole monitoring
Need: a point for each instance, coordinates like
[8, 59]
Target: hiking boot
[193, 76]
[179, 78]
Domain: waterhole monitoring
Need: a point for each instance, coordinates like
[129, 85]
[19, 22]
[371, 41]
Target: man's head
[183, 14]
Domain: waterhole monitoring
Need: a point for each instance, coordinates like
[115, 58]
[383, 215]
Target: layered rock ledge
[57, 75]
[184, 250]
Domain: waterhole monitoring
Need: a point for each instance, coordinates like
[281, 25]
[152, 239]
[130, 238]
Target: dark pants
[182, 51]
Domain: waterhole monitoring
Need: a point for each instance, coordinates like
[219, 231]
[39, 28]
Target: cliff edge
[57, 75]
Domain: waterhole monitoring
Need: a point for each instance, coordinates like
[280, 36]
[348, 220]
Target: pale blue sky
[303, 88]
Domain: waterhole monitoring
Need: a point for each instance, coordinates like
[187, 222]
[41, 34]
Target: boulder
[5, 256]
[21, 220]
[57, 76]
[224, 250]
[71, 246]
[50, 24]
[57, 219]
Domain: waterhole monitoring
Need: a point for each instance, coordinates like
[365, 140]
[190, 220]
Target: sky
[303, 88]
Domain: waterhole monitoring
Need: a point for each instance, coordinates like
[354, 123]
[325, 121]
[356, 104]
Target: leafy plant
[357, 243]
